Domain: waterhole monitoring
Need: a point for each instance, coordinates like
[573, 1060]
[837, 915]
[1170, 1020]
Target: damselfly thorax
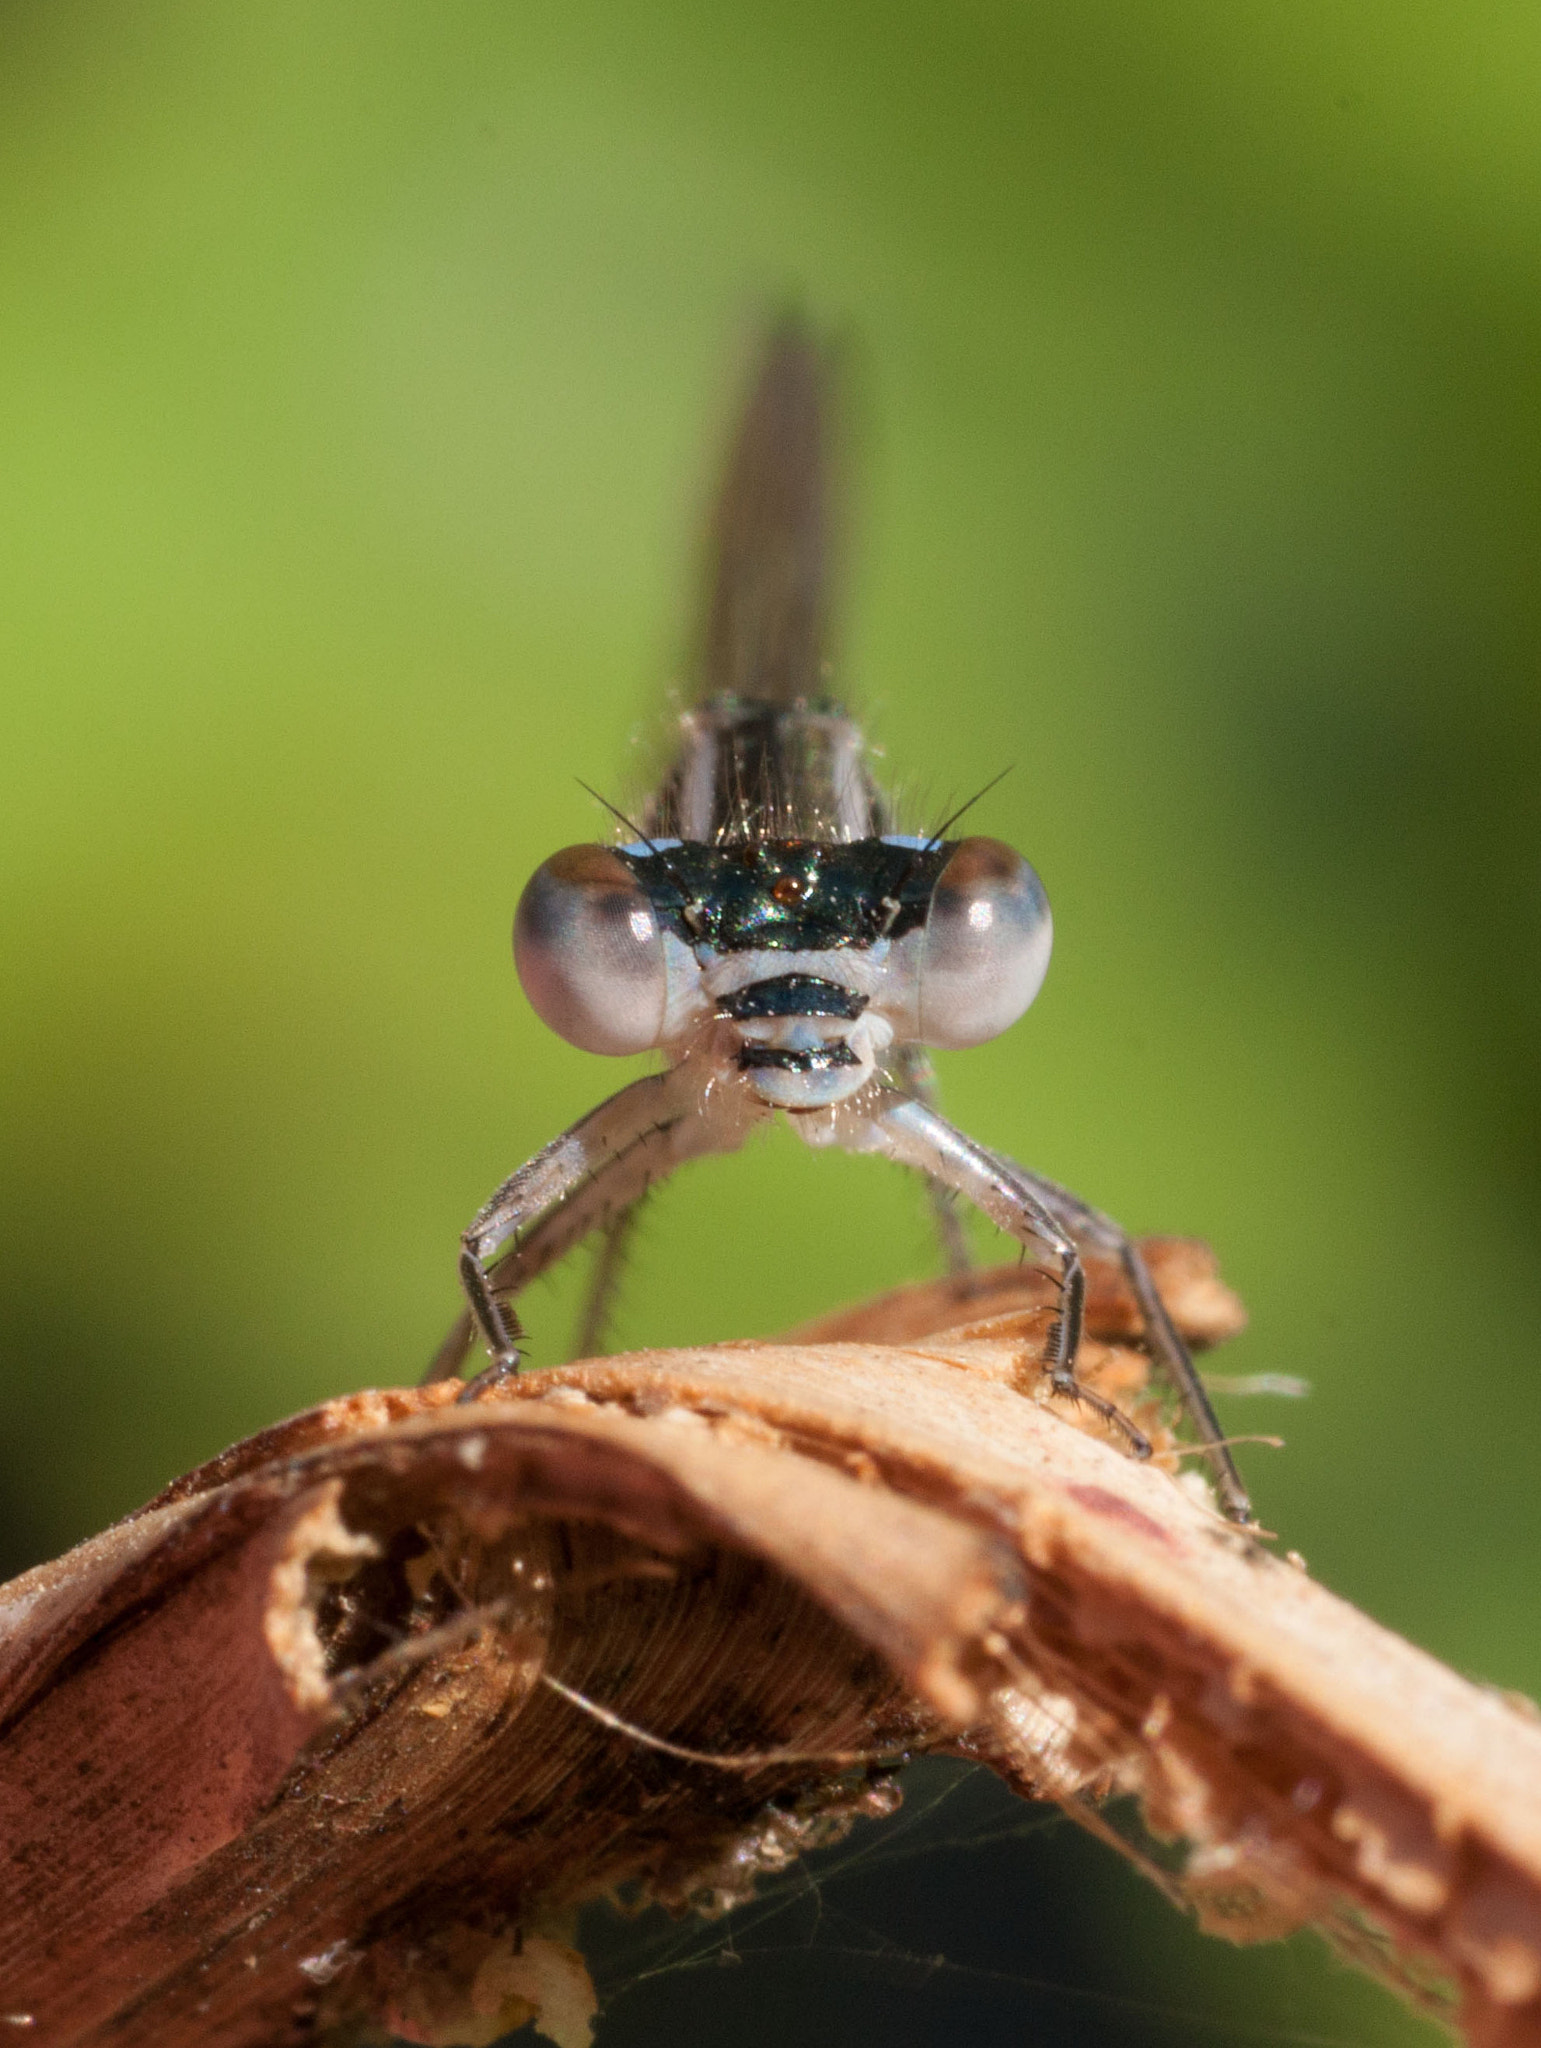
[763, 928]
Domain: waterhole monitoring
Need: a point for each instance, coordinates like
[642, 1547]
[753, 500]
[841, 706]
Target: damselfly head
[815, 956]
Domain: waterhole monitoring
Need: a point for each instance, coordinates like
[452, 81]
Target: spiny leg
[1171, 1354]
[604, 1282]
[914, 1135]
[500, 1331]
[577, 1184]
[451, 1354]
[956, 1259]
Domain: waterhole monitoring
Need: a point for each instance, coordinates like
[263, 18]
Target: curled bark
[339, 1731]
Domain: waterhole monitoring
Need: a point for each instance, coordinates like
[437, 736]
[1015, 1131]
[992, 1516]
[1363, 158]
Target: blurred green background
[361, 371]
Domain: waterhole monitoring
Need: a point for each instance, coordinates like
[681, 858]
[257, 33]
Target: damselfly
[763, 928]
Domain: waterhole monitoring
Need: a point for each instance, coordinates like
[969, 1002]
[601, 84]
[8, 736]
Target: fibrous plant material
[335, 1736]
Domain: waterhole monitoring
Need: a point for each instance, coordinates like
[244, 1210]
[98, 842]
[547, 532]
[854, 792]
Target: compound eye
[986, 948]
[590, 952]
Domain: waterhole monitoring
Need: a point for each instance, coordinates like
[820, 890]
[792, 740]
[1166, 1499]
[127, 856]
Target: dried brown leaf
[338, 1732]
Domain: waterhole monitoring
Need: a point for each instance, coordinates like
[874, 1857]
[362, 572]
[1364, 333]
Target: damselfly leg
[582, 1182]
